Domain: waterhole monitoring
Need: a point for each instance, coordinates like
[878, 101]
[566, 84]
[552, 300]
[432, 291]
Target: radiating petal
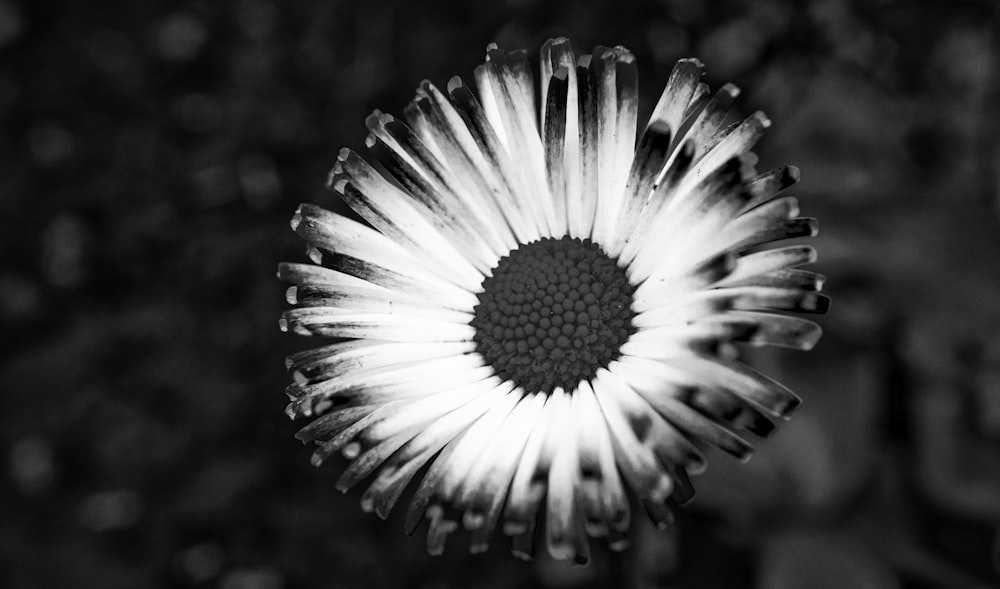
[612, 83]
[444, 127]
[433, 498]
[438, 190]
[555, 55]
[400, 468]
[603, 502]
[650, 159]
[482, 492]
[391, 382]
[390, 210]
[513, 93]
[543, 317]
[497, 165]
[311, 366]
[530, 482]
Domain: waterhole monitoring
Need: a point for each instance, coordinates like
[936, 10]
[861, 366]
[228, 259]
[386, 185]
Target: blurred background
[152, 152]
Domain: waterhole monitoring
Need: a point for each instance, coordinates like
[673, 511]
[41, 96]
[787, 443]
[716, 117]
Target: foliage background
[152, 153]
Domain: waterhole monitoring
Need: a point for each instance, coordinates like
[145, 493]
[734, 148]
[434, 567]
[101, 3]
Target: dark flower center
[552, 313]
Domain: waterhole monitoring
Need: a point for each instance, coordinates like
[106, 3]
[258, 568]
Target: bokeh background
[152, 152]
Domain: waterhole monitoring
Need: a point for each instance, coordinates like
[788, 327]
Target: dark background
[152, 152]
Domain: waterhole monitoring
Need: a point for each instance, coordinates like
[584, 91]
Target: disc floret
[552, 313]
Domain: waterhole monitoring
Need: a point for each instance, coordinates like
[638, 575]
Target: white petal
[363, 433]
[497, 165]
[771, 329]
[554, 137]
[770, 260]
[390, 482]
[658, 385]
[390, 428]
[489, 103]
[667, 287]
[322, 363]
[703, 131]
[393, 212]
[765, 186]
[484, 488]
[650, 158]
[612, 74]
[439, 486]
[424, 409]
[738, 378]
[589, 149]
[340, 235]
[677, 95]
[479, 181]
[737, 141]
[313, 274]
[513, 94]
[670, 447]
[773, 221]
[334, 322]
[396, 381]
[530, 480]
[439, 193]
[370, 299]
[352, 273]
[687, 308]
[565, 536]
[636, 461]
[690, 220]
[653, 309]
[603, 501]
[647, 225]
[556, 54]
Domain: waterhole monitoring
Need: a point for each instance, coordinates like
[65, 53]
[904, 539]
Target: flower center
[552, 313]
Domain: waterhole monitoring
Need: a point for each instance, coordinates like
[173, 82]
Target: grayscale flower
[544, 308]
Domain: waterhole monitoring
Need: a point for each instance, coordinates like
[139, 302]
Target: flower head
[545, 304]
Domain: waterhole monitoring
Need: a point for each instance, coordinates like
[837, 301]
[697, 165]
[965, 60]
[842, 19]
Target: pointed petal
[400, 468]
[530, 481]
[704, 129]
[333, 322]
[436, 191]
[386, 383]
[500, 170]
[690, 220]
[603, 502]
[657, 384]
[554, 136]
[558, 54]
[739, 379]
[362, 299]
[677, 95]
[612, 77]
[392, 212]
[769, 184]
[484, 489]
[437, 490]
[664, 192]
[650, 159]
[562, 532]
[510, 85]
[737, 141]
[589, 152]
[479, 181]
[323, 363]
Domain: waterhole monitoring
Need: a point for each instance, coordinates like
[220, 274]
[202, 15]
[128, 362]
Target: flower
[545, 312]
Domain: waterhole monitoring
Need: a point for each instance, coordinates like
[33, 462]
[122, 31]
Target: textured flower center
[552, 313]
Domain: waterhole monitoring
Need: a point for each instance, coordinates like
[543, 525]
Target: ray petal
[390, 210]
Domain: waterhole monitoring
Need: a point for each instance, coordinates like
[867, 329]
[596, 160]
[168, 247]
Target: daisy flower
[538, 319]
